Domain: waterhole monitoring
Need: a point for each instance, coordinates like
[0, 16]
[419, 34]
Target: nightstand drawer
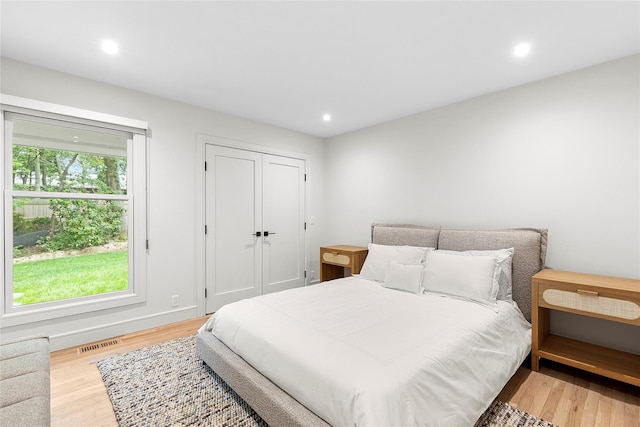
[589, 301]
[337, 258]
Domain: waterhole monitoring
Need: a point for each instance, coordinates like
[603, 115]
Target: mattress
[356, 353]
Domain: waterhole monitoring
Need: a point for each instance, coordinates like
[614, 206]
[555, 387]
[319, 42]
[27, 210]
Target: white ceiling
[287, 63]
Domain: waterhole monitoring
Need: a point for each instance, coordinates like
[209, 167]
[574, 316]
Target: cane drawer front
[591, 300]
[337, 258]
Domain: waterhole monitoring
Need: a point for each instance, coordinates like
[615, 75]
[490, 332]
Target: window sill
[70, 308]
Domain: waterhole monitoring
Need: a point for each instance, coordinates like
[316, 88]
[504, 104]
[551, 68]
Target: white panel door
[254, 213]
[283, 217]
[233, 253]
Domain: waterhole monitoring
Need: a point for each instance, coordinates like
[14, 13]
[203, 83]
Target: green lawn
[75, 276]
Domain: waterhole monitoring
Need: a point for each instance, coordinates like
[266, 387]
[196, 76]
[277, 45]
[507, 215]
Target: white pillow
[504, 258]
[379, 256]
[469, 277]
[404, 277]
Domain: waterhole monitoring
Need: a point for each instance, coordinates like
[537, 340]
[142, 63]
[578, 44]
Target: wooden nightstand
[334, 259]
[606, 297]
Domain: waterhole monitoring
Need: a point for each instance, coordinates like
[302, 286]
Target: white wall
[562, 153]
[174, 172]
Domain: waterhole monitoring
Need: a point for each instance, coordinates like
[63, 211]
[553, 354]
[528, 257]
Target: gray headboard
[530, 248]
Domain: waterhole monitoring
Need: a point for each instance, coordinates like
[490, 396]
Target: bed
[378, 349]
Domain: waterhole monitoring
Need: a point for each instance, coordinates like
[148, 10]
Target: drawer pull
[587, 293]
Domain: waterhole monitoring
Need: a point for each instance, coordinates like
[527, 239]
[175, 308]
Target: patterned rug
[168, 385]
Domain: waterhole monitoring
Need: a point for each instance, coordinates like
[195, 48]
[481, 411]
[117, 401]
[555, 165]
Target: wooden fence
[34, 209]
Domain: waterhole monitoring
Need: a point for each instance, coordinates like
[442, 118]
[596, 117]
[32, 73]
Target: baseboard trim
[114, 329]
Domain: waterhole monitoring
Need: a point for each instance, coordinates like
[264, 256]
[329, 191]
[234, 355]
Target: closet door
[233, 252]
[283, 218]
[254, 215]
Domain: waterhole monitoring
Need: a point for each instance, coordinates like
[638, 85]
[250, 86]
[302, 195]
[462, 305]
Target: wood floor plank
[590, 410]
[577, 401]
[603, 417]
[513, 387]
[526, 398]
[541, 394]
[632, 410]
[617, 412]
[564, 412]
[559, 394]
[551, 405]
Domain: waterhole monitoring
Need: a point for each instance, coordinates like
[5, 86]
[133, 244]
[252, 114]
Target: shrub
[19, 223]
[23, 225]
[80, 223]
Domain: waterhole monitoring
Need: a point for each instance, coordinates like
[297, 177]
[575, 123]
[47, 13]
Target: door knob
[266, 233]
[258, 234]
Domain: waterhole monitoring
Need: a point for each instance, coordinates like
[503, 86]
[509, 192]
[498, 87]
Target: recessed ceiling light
[326, 117]
[110, 47]
[522, 50]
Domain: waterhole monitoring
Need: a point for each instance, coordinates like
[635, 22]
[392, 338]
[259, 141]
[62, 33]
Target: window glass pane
[68, 248]
[74, 195]
[56, 157]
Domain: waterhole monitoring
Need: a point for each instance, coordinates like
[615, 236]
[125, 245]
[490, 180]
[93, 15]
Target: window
[74, 214]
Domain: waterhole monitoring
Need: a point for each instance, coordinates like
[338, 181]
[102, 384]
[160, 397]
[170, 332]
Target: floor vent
[97, 346]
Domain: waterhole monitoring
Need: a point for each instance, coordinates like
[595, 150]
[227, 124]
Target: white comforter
[358, 354]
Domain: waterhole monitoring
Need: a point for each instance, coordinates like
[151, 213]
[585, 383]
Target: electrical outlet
[174, 301]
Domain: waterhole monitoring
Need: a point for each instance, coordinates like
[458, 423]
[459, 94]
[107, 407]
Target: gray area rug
[168, 385]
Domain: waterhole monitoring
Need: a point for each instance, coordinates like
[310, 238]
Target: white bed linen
[358, 354]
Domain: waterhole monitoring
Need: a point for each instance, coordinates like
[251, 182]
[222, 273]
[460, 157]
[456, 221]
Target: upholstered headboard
[530, 248]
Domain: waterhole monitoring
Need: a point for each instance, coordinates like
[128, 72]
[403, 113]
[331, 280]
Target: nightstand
[605, 297]
[334, 260]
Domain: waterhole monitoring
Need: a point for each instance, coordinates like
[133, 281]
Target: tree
[74, 223]
[31, 167]
[111, 174]
[63, 168]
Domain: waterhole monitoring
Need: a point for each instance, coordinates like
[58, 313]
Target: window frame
[137, 197]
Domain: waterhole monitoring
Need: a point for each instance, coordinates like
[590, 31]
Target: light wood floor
[562, 395]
